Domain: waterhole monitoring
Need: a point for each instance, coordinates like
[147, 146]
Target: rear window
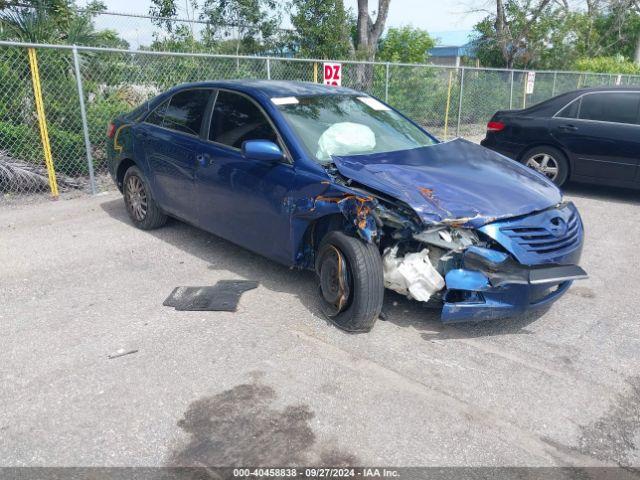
[615, 107]
[186, 111]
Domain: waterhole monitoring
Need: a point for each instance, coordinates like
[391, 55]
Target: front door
[239, 199]
[601, 131]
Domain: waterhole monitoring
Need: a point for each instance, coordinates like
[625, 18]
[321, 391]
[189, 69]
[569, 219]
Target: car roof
[608, 89]
[272, 88]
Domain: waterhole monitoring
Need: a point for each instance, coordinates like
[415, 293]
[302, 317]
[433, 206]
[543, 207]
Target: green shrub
[617, 64]
[22, 142]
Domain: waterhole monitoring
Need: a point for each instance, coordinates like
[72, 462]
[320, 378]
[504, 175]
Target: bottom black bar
[401, 473]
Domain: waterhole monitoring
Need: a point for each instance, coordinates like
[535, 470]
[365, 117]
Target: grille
[543, 241]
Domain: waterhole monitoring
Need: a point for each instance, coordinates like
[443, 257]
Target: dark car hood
[453, 180]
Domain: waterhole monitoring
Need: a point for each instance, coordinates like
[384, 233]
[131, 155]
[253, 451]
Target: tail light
[495, 126]
[111, 130]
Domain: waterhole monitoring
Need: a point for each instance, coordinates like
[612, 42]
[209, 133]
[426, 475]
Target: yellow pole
[42, 122]
[446, 115]
[315, 72]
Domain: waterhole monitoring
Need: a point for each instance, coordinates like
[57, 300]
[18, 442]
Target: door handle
[568, 128]
[204, 159]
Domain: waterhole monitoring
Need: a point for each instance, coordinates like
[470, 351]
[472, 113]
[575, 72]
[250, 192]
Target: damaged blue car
[335, 180]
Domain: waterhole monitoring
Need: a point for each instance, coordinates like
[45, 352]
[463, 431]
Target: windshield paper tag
[284, 100]
[373, 103]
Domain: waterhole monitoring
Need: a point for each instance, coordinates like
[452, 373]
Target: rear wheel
[351, 281]
[548, 161]
[141, 207]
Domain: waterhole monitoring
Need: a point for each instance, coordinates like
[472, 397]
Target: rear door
[239, 199]
[171, 136]
[601, 131]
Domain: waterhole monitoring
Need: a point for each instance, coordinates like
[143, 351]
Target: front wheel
[351, 281]
[141, 207]
[548, 161]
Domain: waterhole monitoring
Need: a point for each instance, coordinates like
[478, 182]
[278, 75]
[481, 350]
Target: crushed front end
[495, 270]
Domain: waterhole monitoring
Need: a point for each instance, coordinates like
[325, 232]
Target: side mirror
[264, 150]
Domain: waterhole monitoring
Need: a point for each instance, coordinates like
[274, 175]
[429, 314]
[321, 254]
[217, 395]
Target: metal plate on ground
[221, 297]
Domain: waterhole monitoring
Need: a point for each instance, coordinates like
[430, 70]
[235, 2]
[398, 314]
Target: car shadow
[602, 192]
[223, 255]
[425, 319]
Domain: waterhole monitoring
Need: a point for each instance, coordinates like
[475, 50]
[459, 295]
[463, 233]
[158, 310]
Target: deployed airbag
[345, 138]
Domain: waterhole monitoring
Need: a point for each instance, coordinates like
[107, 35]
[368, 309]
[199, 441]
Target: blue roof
[276, 88]
[467, 50]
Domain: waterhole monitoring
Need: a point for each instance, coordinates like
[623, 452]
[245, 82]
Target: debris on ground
[221, 297]
[121, 353]
[19, 176]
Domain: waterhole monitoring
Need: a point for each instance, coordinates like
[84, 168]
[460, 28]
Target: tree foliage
[322, 28]
[615, 64]
[56, 21]
[405, 45]
[557, 34]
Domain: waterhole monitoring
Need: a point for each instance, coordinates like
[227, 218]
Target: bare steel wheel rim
[544, 164]
[136, 198]
[334, 281]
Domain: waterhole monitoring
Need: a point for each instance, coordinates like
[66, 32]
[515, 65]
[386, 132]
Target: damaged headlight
[448, 238]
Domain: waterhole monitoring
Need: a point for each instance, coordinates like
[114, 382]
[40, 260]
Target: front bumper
[485, 295]
[540, 268]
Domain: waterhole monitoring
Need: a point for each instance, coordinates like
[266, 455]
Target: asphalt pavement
[276, 384]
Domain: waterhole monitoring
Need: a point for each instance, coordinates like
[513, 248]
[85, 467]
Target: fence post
[511, 92]
[446, 114]
[460, 102]
[268, 68]
[85, 126]
[553, 88]
[386, 85]
[42, 121]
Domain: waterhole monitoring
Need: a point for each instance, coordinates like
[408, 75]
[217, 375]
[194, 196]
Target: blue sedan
[335, 180]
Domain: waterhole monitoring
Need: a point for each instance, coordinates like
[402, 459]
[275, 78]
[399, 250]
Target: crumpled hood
[453, 180]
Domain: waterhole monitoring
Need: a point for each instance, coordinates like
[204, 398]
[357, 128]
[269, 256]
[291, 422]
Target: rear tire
[548, 161]
[351, 281]
[141, 207]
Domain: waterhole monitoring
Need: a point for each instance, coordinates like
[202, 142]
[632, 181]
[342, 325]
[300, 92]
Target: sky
[447, 20]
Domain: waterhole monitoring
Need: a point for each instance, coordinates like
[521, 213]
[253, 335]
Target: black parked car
[590, 135]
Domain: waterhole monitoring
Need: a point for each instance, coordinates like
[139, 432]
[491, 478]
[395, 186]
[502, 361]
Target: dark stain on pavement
[610, 438]
[584, 292]
[242, 427]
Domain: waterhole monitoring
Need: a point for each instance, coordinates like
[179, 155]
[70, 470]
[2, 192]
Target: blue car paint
[454, 180]
[271, 208]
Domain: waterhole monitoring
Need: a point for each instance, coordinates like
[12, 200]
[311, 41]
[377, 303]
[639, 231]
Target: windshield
[349, 125]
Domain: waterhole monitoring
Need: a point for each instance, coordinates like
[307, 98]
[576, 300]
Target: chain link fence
[83, 88]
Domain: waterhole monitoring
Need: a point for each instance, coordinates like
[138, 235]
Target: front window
[331, 125]
[236, 119]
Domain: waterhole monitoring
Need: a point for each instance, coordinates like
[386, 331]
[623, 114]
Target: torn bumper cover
[492, 285]
[544, 248]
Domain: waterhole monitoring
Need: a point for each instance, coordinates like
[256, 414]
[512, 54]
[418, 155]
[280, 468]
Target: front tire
[351, 281]
[141, 207]
[548, 161]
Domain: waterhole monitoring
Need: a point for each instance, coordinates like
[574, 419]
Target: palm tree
[29, 25]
